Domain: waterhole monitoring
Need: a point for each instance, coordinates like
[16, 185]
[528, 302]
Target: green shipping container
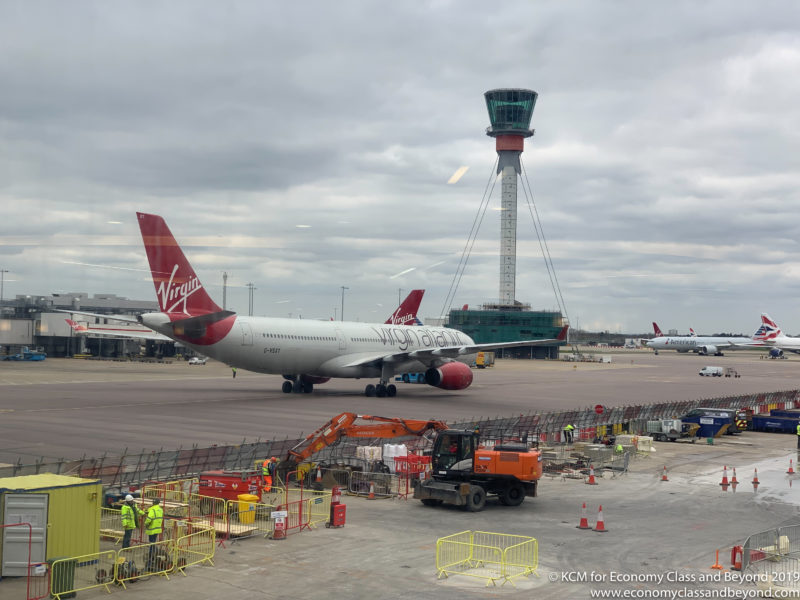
[73, 511]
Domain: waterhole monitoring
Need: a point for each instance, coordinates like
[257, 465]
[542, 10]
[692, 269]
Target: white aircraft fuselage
[321, 348]
[703, 345]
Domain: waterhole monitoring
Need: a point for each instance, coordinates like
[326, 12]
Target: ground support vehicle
[464, 473]
[411, 378]
[484, 359]
[671, 430]
[711, 372]
[731, 372]
[26, 354]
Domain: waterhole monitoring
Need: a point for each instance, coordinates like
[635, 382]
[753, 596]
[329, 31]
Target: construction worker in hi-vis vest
[798, 436]
[130, 514]
[266, 475]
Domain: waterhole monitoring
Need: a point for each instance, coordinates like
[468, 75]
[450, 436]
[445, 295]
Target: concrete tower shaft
[510, 112]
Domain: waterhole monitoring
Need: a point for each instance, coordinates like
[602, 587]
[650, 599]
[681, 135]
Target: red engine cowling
[450, 376]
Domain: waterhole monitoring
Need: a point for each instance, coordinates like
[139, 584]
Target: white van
[711, 372]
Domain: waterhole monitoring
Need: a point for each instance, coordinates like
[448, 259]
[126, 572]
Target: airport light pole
[342, 313]
[2, 275]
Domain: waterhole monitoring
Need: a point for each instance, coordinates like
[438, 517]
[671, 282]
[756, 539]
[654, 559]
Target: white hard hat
[128, 498]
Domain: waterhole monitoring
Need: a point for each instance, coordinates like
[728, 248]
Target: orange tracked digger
[464, 472]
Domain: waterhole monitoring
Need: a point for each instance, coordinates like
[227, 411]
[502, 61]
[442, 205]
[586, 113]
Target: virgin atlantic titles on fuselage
[305, 352]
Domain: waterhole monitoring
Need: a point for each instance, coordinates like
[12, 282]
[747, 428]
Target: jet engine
[708, 350]
[776, 353]
[449, 376]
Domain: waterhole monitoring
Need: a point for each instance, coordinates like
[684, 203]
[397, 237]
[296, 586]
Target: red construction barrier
[409, 468]
[737, 552]
[37, 575]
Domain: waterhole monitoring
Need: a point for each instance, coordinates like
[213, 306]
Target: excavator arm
[343, 425]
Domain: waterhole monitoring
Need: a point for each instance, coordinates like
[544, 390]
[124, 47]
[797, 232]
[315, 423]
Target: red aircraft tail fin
[177, 287]
[406, 313]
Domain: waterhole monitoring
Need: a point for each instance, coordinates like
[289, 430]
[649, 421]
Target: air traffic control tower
[510, 113]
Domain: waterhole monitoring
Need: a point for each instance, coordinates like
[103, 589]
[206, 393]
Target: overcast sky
[304, 147]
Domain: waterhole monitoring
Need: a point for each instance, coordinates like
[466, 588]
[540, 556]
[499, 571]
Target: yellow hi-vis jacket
[129, 514]
[798, 430]
[155, 520]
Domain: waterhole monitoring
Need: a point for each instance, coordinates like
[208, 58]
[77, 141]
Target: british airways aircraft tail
[768, 330]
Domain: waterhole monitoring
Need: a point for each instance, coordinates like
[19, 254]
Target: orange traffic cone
[724, 483]
[371, 491]
[319, 474]
[733, 479]
[664, 474]
[584, 523]
[755, 478]
[601, 525]
[591, 480]
[716, 565]
[791, 470]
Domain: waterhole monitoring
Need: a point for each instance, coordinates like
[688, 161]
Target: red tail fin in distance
[75, 326]
[656, 330]
[177, 287]
[406, 313]
[562, 335]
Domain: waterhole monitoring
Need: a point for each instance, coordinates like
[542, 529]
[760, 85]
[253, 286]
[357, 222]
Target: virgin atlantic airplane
[305, 352]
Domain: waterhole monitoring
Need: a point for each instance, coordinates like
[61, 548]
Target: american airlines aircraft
[769, 335]
[703, 345]
[305, 352]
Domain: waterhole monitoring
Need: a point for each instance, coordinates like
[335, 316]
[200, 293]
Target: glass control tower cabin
[510, 113]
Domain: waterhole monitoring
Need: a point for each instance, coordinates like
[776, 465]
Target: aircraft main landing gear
[381, 390]
[297, 386]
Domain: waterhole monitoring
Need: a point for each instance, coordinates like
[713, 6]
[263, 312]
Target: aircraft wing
[140, 332]
[122, 318]
[429, 354]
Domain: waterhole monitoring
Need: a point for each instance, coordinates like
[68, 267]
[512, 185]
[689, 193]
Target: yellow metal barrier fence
[194, 548]
[246, 519]
[111, 524]
[146, 560]
[485, 555]
[318, 507]
[80, 573]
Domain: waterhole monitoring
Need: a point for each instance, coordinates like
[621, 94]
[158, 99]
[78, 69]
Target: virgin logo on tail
[177, 294]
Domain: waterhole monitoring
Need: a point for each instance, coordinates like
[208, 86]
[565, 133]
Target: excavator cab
[454, 450]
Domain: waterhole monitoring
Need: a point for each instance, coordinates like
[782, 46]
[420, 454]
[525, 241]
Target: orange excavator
[344, 425]
[463, 473]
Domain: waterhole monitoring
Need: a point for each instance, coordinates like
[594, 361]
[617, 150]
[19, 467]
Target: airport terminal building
[32, 321]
